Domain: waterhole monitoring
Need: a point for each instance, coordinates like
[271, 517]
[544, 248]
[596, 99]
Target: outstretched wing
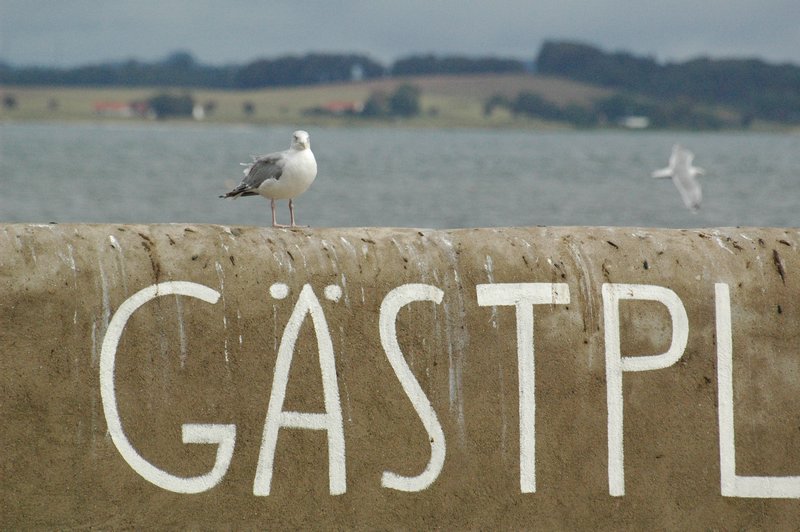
[662, 173]
[690, 190]
[260, 170]
[669, 171]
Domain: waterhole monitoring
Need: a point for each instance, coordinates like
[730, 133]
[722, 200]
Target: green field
[446, 101]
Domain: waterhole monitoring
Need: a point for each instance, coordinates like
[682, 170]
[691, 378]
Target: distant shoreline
[445, 102]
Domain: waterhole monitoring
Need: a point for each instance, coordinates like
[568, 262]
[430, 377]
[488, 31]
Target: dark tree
[528, 103]
[9, 101]
[376, 105]
[210, 106]
[180, 60]
[405, 101]
[167, 105]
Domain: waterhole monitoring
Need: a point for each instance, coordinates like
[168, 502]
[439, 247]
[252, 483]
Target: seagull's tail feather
[241, 190]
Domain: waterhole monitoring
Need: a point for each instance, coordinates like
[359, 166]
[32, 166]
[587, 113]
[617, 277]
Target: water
[155, 172]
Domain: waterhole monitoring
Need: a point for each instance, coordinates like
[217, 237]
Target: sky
[78, 32]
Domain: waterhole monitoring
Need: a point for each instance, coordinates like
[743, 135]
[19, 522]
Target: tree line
[180, 69]
[754, 88]
[614, 110]
[672, 93]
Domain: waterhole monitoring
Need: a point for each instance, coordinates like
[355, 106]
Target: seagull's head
[300, 140]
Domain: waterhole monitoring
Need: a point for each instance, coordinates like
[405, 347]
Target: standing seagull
[280, 175]
[684, 176]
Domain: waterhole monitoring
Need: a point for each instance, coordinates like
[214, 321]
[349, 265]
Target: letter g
[222, 435]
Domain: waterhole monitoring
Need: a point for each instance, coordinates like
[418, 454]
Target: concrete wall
[608, 378]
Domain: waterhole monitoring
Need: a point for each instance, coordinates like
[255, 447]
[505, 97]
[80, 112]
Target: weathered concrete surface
[183, 360]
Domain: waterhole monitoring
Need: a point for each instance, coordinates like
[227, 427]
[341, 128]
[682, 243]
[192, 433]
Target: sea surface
[390, 176]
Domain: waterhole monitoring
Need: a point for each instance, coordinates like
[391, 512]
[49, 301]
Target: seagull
[280, 175]
[684, 175]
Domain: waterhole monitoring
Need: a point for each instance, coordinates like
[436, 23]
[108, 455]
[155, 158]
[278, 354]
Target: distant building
[122, 109]
[198, 112]
[634, 122]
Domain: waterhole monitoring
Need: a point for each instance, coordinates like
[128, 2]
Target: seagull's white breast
[298, 174]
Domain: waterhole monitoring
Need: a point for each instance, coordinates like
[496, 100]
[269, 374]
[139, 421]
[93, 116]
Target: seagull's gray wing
[266, 167]
[261, 169]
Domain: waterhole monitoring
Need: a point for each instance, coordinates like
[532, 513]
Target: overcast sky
[72, 32]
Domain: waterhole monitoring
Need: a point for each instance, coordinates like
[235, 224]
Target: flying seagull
[280, 175]
[684, 176]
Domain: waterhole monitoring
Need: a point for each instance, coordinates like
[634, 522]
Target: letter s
[391, 305]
